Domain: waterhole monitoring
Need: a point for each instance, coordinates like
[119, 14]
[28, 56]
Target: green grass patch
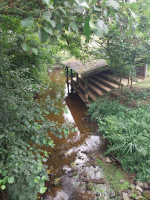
[113, 175]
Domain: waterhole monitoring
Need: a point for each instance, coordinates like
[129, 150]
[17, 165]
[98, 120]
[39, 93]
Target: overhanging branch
[13, 13]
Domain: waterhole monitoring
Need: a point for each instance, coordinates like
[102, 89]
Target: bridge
[93, 79]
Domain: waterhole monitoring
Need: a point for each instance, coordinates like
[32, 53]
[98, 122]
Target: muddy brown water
[69, 152]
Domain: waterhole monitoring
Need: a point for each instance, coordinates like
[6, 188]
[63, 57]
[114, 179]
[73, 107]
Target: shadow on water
[68, 151]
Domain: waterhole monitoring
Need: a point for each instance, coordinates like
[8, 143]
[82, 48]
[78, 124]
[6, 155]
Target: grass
[113, 175]
[145, 83]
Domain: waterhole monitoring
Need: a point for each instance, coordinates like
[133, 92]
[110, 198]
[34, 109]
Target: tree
[126, 43]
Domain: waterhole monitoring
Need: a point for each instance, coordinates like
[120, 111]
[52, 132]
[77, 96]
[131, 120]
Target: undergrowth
[128, 132]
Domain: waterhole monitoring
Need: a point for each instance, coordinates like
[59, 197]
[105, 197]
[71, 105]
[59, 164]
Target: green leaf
[47, 2]
[5, 179]
[28, 22]
[84, 4]
[37, 179]
[117, 17]
[44, 159]
[3, 187]
[46, 15]
[44, 178]
[134, 6]
[48, 30]
[67, 4]
[135, 15]
[35, 51]
[80, 1]
[106, 13]
[73, 26]
[4, 173]
[92, 25]
[80, 9]
[43, 189]
[43, 35]
[66, 111]
[86, 28]
[102, 29]
[112, 13]
[25, 47]
[10, 179]
[97, 9]
[53, 23]
[131, 1]
[62, 10]
[112, 4]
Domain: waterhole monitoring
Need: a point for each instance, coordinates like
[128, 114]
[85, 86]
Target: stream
[69, 159]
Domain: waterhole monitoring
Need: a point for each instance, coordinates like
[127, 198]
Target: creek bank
[133, 190]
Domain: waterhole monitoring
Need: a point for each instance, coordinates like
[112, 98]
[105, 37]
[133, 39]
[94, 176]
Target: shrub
[128, 131]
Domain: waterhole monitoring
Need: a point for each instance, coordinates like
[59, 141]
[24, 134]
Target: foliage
[23, 122]
[126, 46]
[51, 19]
[128, 132]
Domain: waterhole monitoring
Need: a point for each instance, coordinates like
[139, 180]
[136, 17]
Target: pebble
[89, 186]
[119, 193]
[107, 160]
[146, 194]
[70, 175]
[131, 191]
[139, 188]
[112, 195]
[145, 185]
[121, 181]
[140, 184]
[125, 196]
[137, 192]
[139, 198]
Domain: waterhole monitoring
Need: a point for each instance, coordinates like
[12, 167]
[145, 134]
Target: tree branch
[13, 13]
[102, 45]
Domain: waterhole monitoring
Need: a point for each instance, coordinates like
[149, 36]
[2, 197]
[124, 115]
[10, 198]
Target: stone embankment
[137, 191]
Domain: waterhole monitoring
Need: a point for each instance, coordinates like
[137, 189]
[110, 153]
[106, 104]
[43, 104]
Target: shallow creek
[70, 159]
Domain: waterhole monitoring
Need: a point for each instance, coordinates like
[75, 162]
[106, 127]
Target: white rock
[140, 184]
[121, 181]
[107, 160]
[145, 185]
[139, 188]
[125, 196]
